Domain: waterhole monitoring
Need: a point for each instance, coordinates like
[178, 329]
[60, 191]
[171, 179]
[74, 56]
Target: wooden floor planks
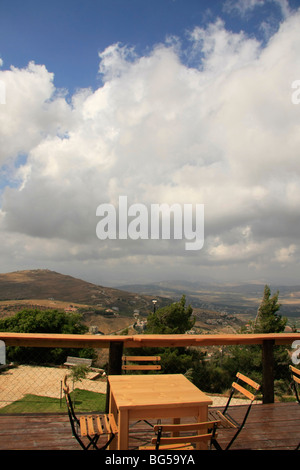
[269, 427]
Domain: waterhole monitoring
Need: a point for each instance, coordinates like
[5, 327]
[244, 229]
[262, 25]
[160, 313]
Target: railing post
[114, 365]
[268, 371]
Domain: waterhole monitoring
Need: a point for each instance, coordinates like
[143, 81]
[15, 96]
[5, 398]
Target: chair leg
[93, 442]
[84, 447]
[215, 443]
[139, 421]
[147, 422]
[233, 439]
[239, 429]
[107, 443]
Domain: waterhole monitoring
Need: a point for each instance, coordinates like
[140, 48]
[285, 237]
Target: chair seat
[92, 425]
[225, 421]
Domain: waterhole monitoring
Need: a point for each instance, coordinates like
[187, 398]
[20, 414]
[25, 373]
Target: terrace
[270, 426]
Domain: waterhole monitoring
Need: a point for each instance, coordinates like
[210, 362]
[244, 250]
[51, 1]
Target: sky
[168, 103]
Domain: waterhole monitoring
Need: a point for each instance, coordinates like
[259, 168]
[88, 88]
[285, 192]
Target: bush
[44, 321]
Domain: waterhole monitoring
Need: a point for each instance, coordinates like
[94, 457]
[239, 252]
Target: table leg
[176, 421]
[123, 438]
[202, 417]
[114, 411]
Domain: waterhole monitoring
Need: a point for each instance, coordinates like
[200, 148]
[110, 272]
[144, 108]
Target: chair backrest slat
[141, 358]
[295, 370]
[130, 366]
[141, 367]
[180, 439]
[248, 381]
[297, 379]
[186, 427]
[242, 390]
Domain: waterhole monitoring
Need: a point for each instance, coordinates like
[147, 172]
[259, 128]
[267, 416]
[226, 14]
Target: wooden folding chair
[228, 421]
[296, 385]
[203, 432]
[90, 427]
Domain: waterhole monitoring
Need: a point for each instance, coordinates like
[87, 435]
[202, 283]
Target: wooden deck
[269, 427]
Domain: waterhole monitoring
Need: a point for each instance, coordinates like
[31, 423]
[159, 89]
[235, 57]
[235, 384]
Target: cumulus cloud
[220, 131]
[30, 113]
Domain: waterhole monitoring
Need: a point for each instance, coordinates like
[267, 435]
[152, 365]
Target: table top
[152, 390]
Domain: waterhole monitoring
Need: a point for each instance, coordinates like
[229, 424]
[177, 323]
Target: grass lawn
[85, 401]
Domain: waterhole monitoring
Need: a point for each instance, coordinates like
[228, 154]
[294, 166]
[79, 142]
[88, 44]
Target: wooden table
[135, 397]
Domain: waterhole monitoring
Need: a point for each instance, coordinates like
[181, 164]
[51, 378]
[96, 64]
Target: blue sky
[166, 102]
[67, 35]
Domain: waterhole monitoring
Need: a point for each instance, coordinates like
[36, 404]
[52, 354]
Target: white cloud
[286, 254]
[32, 111]
[223, 132]
[245, 6]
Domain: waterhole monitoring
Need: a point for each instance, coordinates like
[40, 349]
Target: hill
[109, 309]
[50, 286]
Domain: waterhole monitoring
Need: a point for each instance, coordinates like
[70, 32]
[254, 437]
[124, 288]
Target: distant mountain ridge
[236, 298]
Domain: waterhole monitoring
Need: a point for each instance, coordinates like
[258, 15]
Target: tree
[175, 318]
[248, 359]
[44, 321]
[267, 319]
[172, 319]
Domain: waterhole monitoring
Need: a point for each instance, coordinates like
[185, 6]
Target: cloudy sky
[162, 102]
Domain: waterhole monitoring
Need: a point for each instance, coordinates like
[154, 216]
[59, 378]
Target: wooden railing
[117, 343]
